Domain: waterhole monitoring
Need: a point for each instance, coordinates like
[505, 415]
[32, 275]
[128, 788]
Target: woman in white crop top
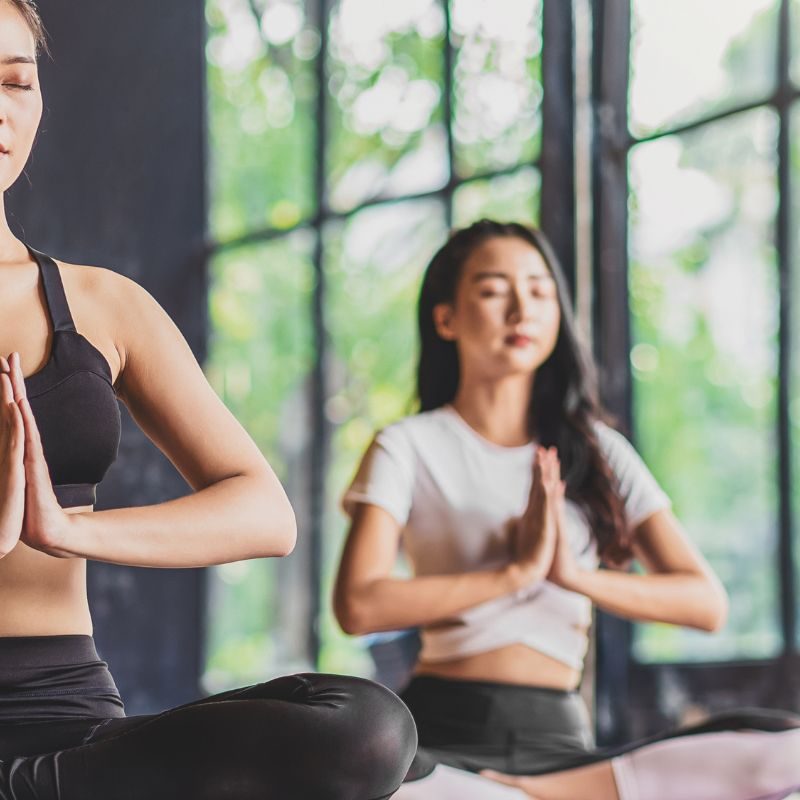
[507, 491]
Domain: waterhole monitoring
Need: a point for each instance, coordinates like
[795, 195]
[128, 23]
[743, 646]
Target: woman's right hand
[535, 533]
[12, 464]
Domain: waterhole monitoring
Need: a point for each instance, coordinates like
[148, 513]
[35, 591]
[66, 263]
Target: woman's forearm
[386, 604]
[244, 516]
[689, 599]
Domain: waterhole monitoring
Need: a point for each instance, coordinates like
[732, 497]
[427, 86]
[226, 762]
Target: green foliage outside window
[386, 138]
[704, 395]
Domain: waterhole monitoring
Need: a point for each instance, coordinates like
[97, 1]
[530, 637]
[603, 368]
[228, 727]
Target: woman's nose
[522, 305]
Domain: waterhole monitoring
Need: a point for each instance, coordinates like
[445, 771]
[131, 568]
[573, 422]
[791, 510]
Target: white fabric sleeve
[639, 490]
[386, 475]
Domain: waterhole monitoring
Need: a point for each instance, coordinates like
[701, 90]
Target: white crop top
[454, 493]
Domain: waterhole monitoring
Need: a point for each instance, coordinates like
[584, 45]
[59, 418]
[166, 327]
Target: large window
[710, 139]
[346, 138]
[705, 283]
[704, 300]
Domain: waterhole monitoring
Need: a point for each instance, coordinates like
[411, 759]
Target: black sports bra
[73, 401]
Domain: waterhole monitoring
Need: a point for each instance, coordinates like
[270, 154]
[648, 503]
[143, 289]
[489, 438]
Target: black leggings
[298, 736]
[530, 730]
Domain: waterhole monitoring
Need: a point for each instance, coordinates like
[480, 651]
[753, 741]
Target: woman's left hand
[45, 524]
[564, 571]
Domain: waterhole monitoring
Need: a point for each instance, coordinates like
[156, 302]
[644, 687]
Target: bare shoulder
[109, 309]
[159, 379]
[99, 285]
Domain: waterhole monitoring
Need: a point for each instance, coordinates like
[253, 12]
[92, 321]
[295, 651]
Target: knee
[370, 707]
[389, 741]
[387, 711]
[375, 722]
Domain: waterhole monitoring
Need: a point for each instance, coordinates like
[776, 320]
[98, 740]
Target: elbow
[273, 518]
[719, 615]
[350, 625]
[284, 546]
[351, 616]
[278, 536]
[287, 534]
[715, 610]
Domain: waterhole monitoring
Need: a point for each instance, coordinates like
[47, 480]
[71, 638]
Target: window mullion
[448, 56]
[558, 132]
[611, 35]
[783, 234]
[320, 433]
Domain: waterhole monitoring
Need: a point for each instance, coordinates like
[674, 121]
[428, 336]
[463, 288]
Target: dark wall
[117, 179]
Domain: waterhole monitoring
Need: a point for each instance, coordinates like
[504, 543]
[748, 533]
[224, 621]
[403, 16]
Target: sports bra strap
[60, 315]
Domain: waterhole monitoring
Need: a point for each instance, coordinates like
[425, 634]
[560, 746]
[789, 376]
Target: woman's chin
[514, 368]
[8, 174]
[520, 361]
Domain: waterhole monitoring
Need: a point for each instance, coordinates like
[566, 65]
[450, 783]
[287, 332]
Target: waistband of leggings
[496, 688]
[46, 651]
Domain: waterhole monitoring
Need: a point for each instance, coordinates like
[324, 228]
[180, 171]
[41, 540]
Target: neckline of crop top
[73, 400]
[465, 429]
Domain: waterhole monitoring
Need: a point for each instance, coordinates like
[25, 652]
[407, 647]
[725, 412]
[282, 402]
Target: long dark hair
[564, 405]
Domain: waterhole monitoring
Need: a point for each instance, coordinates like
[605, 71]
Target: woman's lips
[518, 340]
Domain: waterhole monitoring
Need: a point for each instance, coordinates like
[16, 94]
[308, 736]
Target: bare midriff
[41, 595]
[515, 663]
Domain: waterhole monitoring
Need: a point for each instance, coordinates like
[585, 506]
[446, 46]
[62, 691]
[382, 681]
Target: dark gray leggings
[529, 730]
[298, 737]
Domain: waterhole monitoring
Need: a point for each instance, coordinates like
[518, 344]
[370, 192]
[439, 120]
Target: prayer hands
[12, 467]
[564, 570]
[535, 534]
[29, 510]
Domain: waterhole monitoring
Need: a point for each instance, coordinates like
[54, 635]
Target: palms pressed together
[29, 510]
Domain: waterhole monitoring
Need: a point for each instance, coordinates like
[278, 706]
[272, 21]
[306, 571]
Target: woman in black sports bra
[79, 339]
